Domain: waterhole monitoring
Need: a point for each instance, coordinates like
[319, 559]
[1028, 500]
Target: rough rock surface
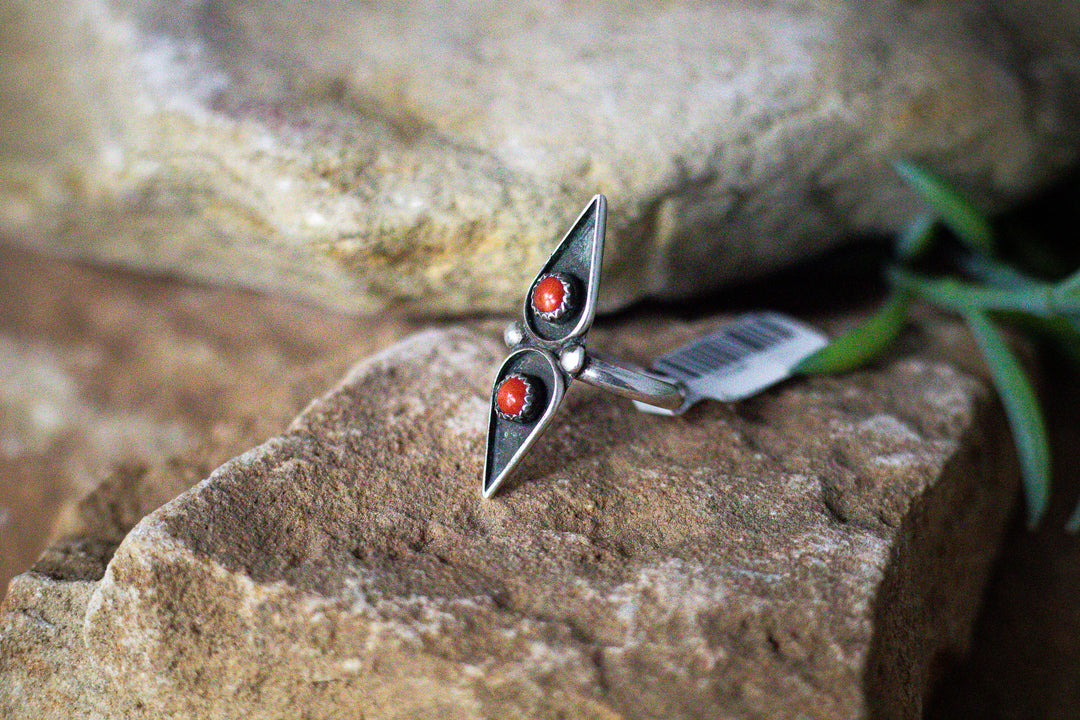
[145, 383]
[806, 553]
[425, 156]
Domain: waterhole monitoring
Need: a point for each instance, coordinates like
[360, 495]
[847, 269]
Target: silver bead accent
[572, 359]
[514, 334]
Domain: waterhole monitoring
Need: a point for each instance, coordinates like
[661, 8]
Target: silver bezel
[568, 300]
[527, 408]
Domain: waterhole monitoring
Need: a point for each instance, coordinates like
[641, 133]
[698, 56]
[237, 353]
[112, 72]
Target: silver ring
[632, 382]
[548, 351]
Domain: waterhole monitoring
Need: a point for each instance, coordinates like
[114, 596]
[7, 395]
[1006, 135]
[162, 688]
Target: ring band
[632, 382]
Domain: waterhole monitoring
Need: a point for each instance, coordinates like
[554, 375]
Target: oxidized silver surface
[550, 349]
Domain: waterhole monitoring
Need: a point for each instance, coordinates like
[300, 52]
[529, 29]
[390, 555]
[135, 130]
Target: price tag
[742, 358]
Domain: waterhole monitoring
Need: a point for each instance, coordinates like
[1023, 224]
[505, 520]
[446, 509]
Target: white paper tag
[755, 351]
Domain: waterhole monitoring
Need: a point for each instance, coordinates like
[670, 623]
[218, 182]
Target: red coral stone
[511, 396]
[549, 295]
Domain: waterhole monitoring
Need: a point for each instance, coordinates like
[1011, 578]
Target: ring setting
[554, 297]
[515, 397]
[548, 351]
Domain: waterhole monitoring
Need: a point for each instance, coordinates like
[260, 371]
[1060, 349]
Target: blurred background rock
[425, 156]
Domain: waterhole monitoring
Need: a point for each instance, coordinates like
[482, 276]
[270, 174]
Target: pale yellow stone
[426, 157]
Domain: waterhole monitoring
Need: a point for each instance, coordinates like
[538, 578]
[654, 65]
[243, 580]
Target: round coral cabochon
[512, 395]
[549, 295]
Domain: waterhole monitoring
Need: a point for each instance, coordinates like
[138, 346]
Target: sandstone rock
[426, 157]
[144, 383]
[806, 553]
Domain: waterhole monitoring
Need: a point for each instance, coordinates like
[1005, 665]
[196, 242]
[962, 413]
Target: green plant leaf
[995, 272]
[1022, 409]
[1070, 286]
[957, 212]
[862, 343]
[916, 237]
[1037, 298]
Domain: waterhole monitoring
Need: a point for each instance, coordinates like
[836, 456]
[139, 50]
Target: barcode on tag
[755, 351]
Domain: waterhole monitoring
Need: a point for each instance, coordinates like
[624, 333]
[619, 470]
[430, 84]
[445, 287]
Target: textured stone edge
[932, 540]
[891, 678]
